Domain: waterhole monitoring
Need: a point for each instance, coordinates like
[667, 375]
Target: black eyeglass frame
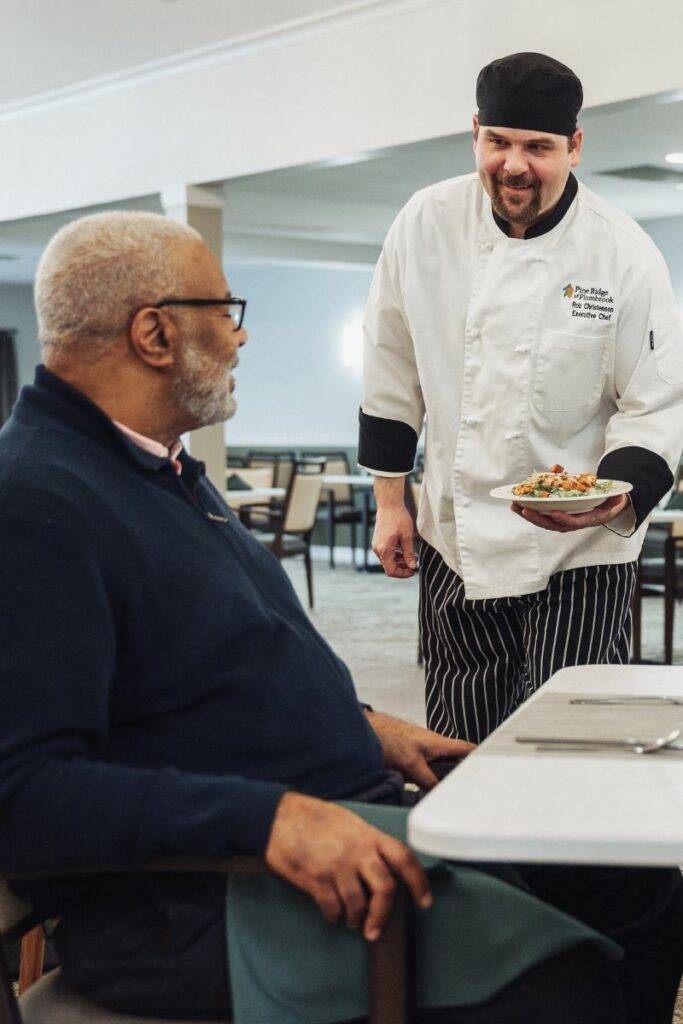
[234, 300]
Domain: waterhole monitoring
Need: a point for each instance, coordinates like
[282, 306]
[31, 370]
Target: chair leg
[669, 597]
[390, 990]
[31, 958]
[309, 576]
[330, 526]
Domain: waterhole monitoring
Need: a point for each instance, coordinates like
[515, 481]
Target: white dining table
[511, 802]
[254, 496]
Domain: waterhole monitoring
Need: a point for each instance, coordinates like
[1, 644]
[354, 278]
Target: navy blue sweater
[160, 683]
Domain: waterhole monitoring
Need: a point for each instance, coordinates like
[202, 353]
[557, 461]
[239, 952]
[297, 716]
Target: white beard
[206, 399]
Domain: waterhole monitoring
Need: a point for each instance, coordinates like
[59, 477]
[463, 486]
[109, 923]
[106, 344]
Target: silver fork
[548, 743]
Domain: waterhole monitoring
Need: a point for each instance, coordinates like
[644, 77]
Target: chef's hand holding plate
[563, 522]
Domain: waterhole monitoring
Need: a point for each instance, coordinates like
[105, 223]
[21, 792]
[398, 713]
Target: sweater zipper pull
[215, 518]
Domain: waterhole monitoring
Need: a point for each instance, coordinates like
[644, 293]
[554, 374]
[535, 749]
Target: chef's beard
[510, 211]
[204, 396]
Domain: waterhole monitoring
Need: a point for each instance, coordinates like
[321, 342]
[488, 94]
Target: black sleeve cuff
[648, 472]
[386, 445]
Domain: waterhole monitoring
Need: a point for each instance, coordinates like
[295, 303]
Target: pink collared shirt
[155, 447]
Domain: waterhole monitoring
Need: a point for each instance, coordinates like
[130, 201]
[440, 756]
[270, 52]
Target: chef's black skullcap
[529, 91]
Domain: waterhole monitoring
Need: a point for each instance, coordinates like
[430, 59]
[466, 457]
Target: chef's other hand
[393, 540]
[348, 867]
[409, 748]
[562, 522]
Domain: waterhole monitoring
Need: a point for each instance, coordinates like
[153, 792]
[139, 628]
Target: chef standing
[531, 323]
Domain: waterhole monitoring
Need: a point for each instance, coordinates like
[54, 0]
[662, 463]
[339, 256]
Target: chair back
[257, 476]
[303, 496]
[282, 463]
[284, 468]
[336, 464]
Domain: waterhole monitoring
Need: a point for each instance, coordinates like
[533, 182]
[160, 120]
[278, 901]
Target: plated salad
[558, 483]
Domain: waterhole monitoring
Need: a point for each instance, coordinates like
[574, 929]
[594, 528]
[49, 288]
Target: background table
[255, 496]
[364, 484]
[508, 802]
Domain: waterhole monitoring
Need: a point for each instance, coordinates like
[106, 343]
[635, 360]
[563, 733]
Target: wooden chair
[294, 523]
[47, 999]
[341, 508]
[660, 573]
[282, 463]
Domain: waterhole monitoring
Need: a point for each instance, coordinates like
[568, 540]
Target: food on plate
[558, 483]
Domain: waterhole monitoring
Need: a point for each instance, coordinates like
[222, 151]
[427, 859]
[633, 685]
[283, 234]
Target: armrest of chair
[389, 990]
[237, 865]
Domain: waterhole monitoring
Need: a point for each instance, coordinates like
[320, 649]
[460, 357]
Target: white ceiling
[340, 213]
[47, 45]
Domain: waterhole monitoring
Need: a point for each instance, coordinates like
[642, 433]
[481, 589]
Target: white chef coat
[521, 353]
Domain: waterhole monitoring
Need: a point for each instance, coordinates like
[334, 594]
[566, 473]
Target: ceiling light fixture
[674, 158]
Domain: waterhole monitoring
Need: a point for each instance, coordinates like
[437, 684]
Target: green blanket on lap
[287, 965]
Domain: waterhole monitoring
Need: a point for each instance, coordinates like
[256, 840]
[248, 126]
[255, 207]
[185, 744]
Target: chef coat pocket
[570, 370]
[666, 340]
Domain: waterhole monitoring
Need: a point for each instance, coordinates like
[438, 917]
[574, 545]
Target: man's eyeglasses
[235, 306]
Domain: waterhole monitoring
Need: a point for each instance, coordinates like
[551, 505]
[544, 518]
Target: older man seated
[164, 693]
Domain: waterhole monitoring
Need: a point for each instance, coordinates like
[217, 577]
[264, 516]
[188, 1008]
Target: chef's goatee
[529, 91]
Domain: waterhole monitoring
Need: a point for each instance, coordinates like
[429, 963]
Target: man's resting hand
[409, 748]
[349, 867]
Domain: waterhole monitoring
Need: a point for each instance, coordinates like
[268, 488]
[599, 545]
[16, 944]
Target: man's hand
[562, 522]
[348, 867]
[409, 748]
[393, 541]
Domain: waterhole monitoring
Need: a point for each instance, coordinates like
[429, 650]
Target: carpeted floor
[371, 622]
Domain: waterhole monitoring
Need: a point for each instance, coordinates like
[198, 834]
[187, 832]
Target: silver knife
[564, 741]
[627, 700]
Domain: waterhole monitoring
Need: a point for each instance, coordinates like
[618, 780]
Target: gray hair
[97, 271]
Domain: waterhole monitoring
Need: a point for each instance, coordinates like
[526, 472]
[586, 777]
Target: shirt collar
[551, 219]
[148, 444]
[70, 408]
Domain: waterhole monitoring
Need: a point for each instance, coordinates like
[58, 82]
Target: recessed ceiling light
[674, 158]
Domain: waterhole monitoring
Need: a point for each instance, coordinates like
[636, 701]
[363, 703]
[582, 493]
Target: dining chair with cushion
[295, 521]
[282, 463]
[340, 509]
[660, 574]
[48, 999]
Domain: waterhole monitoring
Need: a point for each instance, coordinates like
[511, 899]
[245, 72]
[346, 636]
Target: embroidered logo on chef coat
[589, 302]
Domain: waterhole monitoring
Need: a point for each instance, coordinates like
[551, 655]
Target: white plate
[545, 505]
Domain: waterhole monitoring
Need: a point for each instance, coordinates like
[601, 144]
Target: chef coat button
[474, 334]
[487, 246]
[465, 502]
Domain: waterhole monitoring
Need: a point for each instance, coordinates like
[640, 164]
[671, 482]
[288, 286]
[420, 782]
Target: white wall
[667, 234]
[397, 72]
[292, 386]
[17, 313]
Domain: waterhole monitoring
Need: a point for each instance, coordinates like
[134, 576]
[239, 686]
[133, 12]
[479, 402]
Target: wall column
[202, 209]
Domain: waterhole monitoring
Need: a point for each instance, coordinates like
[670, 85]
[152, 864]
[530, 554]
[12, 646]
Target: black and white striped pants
[484, 658]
